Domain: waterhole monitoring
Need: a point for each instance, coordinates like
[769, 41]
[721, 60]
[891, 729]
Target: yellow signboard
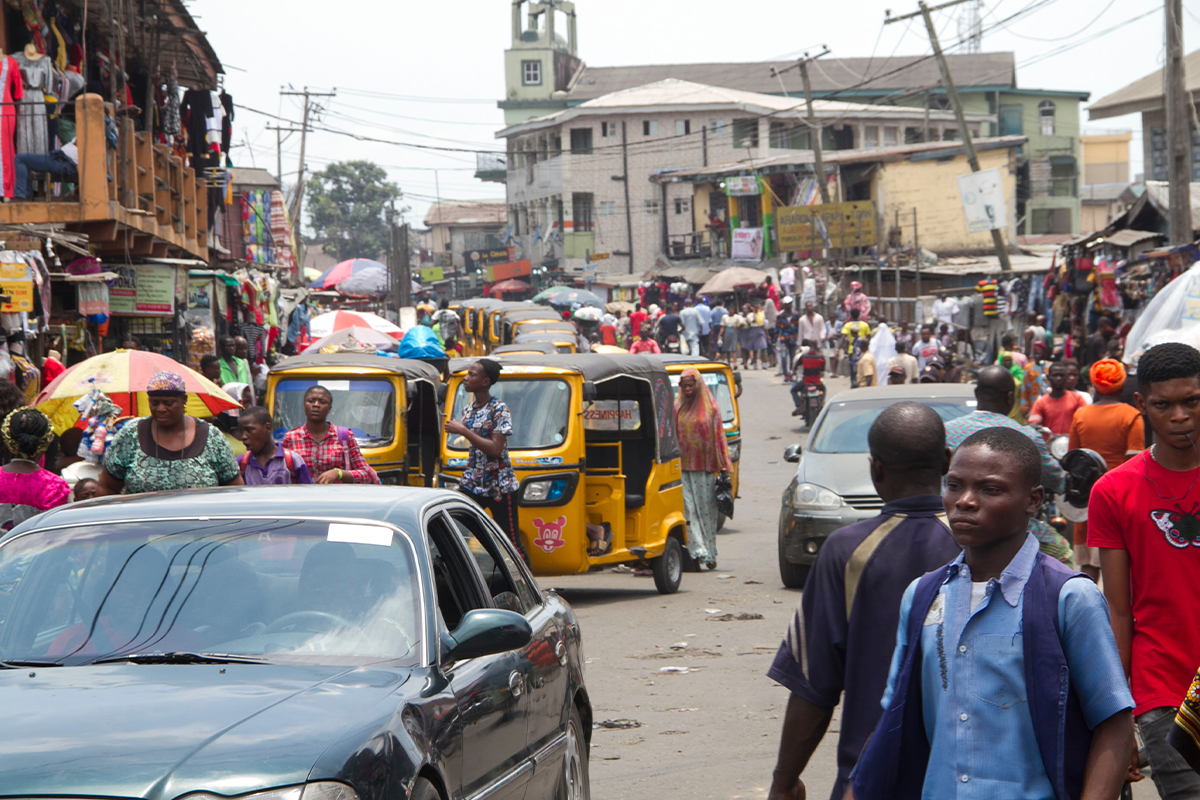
[826, 226]
[599, 256]
[16, 281]
[431, 274]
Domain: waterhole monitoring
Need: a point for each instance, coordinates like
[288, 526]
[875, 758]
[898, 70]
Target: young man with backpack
[266, 463]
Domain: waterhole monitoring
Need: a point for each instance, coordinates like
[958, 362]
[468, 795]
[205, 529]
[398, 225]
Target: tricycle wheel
[668, 568]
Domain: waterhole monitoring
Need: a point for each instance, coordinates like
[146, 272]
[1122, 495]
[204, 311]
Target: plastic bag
[725, 495]
[1172, 315]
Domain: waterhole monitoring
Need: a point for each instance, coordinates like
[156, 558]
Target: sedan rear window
[277, 590]
[845, 425]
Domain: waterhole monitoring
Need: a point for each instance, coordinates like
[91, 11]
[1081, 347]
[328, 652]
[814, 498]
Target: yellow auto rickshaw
[495, 320]
[526, 349]
[389, 404]
[474, 317]
[726, 387]
[516, 321]
[594, 443]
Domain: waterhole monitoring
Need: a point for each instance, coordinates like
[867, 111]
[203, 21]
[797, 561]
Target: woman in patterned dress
[704, 455]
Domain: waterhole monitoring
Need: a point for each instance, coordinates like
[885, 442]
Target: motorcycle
[671, 345]
[814, 401]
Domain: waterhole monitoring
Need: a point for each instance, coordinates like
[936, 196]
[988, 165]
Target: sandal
[643, 573]
[604, 547]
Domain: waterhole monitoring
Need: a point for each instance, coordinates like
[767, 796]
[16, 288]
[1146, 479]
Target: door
[1012, 120]
[490, 691]
[542, 662]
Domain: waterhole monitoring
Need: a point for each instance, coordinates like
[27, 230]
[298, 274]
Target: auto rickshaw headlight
[544, 491]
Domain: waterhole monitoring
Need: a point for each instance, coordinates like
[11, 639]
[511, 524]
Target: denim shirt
[973, 693]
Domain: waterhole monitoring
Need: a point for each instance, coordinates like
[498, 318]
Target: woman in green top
[167, 450]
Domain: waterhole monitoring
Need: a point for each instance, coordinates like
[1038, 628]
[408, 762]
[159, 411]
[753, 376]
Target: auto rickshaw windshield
[540, 412]
[366, 406]
[718, 384]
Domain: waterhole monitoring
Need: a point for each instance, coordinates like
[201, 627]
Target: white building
[578, 180]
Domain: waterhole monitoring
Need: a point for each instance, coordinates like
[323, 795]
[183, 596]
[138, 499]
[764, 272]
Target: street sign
[983, 200]
[431, 274]
[513, 269]
[742, 186]
[600, 256]
[826, 226]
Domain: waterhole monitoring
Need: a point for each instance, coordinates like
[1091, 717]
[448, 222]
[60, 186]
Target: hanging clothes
[171, 126]
[226, 125]
[201, 120]
[11, 90]
[37, 78]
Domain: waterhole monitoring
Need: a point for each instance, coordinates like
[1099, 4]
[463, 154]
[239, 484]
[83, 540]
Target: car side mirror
[589, 391]
[485, 632]
[792, 454]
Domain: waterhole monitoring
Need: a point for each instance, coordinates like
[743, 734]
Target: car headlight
[320, 790]
[810, 497]
[735, 450]
[544, 491]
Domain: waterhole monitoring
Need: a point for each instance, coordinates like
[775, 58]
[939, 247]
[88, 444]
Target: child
[1012, 686]
[266, 463]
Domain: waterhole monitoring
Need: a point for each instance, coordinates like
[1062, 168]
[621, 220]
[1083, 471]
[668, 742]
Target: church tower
[542, 63]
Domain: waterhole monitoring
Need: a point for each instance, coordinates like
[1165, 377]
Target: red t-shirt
[1133, 508]
[636, 320]
[1057, 414]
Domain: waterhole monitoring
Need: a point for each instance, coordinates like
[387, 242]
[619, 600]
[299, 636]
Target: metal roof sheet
[1146, 93]
[467, 212]
[1129, 237]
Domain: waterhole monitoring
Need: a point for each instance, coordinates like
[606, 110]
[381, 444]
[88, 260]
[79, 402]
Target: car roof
[399, 505]
[672, 359]
[907, 391]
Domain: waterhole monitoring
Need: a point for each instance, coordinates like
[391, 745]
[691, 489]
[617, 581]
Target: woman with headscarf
[26, 488]
[1112, 428]
[168, 449]
[704, 455]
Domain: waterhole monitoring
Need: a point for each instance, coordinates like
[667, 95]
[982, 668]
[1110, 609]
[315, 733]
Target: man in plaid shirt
[332, 456]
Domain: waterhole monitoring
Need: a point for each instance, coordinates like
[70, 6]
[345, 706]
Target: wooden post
[93, 154]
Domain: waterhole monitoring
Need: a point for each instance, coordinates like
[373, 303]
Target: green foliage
[346, 203]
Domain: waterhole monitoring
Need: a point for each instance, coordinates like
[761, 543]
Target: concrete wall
[932, 188]
[1105, 158]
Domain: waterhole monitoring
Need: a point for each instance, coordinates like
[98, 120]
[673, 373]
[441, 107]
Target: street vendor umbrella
[340, 272]
[550, 291]
[325, 324]
[367, 282]
[728, 280]
[509, 287]
[624, 306]
[576, 297]
[123, 375]
[352, 336]
[588, 314]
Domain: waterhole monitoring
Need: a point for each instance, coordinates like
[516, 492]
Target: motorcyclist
[810, 367]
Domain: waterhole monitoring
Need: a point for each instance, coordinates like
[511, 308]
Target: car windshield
[276, 590]
[718, 384]
[540, 411]
[844, 427]
[366, 407]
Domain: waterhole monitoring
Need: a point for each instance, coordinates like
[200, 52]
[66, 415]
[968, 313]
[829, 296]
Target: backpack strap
[343, 435]
[244, 461]
[289, 460]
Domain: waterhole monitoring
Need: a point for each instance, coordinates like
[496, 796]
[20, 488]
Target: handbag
[725, 495]
[343, 435]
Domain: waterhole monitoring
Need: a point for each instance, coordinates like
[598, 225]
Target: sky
[413, 73]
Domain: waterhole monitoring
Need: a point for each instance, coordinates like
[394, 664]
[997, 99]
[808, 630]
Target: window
[608, 129]
[505, 582]
[541, 412]
[789, 137]
[581, 141]
[949, 134]
[681, 205]
[745, 133]
[582, 205]
[890, 135]
[608, 208]
[651, 208]
[717, 125]
[557, 141]
[1062, 176]
[649, 127]
[531, 73]
[1046, 117]
[1011, 120]
[914, 135]
[683, 127]
[871, 135]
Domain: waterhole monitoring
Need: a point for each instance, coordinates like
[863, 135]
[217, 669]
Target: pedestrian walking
[266, 463]
[731, 336]
[704, 455]
[787, 329]
[907, 363]
[926, 347]
[330, 451]
[716, 321]
[1143, 517]
[857, 299]
[692, 323]
[486, 424]
[1035, 381]
[26, 488]
[851, 600]
[1056, 409]
[811, 325]
[770, 317]
[168, 449]
[706, 328]
[865, 373]
[233, 368]
[210, 367]
[1073, 380]
[1005, 680]
[645, 342]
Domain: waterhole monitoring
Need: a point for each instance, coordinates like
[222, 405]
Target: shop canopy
[730, 280]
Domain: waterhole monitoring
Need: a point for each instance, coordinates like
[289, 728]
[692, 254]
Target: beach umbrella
[123, 375]
[576, 297]
[380, 341]
[549, 292]
[728, 280]
[367, 282]
[340, 272]
[510, 286]
[327, 323]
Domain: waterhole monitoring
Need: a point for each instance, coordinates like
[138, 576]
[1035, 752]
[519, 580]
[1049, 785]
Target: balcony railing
[139, 200]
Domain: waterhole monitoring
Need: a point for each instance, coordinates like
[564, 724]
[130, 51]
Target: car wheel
[792, 575]
[574, 783]
[424, 790]
[668, 568]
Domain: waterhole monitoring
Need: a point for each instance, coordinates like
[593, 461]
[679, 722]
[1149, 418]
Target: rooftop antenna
[970, 26]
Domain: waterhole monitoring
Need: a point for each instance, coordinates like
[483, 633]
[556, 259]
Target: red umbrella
[340, 272]
[511, 285]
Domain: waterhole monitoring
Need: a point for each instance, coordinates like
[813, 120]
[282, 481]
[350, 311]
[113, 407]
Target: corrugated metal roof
[251, 176]
[467, 212]
[1158, 193]
[1128, 237]
[1144, 94]
[827, 75]
[1102, 192]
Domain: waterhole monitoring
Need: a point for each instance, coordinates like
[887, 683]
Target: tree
[346, 209]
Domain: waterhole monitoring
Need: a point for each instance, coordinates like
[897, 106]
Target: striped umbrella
[340, 272]
[123, 375]
[324, 324]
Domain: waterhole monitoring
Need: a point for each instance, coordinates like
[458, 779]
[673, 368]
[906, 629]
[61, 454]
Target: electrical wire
[1095, 19]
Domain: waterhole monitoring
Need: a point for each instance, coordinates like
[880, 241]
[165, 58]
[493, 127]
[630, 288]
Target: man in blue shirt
[705, 326]
[1005, 681]
[852, 597]
[715, 316]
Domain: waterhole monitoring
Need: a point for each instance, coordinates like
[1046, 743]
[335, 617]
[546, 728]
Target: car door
[543, 661]
[490, 690]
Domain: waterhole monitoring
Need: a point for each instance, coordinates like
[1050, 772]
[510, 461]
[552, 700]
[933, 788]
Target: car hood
[159, 731]
[842, 473]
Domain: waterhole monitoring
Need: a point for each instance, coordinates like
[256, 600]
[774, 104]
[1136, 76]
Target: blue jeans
[55, 163]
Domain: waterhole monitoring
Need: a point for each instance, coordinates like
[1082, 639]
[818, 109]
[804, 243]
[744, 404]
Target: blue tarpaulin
[421, 342]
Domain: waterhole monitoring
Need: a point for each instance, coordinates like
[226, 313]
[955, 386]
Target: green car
[284, 643]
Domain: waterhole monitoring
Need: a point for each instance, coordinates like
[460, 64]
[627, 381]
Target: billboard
[826, 226]
[742, 186]
[477, 259]
[983, 200]
[513, 269]
[747, 244]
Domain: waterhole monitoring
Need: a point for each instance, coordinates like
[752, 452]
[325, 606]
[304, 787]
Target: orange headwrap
[1108, 376]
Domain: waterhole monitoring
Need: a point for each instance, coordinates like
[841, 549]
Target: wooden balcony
[139, 200]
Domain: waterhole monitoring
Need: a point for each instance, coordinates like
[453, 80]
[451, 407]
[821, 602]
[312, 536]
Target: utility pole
[403, 251]
[814, 131]
[951, 92]
[1179, 164]
[309, 107]
[279, 148]
[625, 180]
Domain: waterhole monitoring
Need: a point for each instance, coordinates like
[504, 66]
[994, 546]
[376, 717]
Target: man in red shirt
[1144, 515]
[1057, 409]
[637, 319]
